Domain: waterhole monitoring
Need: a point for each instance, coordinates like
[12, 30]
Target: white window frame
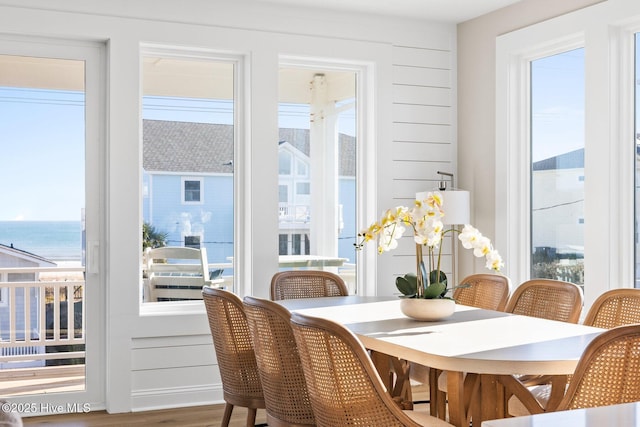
[514, 150]
[605, 30]
[239, 63]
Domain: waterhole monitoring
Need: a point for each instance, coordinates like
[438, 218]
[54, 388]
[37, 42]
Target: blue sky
[42, 146]
[42, 151]
[557, 104]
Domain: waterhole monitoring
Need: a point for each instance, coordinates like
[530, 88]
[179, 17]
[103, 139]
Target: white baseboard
[178, 397]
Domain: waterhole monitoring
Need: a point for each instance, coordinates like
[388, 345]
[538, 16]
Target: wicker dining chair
[547, 299]
[281, 375]
[608, 372]
[234, 351]
[616, 307]
[293, 284]
[344, 387]
[486, 291]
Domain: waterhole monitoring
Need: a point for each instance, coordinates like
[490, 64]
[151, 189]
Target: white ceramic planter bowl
[428, 310]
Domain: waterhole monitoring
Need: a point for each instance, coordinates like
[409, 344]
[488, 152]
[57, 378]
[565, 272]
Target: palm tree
[152, 238]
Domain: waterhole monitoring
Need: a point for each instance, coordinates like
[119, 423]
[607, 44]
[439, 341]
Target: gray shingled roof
[186, 147]
[208, 148]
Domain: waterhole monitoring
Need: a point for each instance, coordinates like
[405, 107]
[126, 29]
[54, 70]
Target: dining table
[472, 340]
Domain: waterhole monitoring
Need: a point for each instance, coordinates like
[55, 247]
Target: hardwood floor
[198, 416]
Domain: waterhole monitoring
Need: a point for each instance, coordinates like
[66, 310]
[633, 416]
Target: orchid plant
[425, 221]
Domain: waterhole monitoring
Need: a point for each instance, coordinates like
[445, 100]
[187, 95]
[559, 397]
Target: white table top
[472, 340]
[627, 414]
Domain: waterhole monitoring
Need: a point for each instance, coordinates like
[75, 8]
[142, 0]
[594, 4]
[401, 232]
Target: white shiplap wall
[424, 135]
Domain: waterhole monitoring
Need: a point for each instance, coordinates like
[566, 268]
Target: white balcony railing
[38, 314]
[293, 213]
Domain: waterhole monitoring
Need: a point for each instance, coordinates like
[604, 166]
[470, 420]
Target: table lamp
[456, 206]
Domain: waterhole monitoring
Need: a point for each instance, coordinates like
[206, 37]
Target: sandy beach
[63, 276]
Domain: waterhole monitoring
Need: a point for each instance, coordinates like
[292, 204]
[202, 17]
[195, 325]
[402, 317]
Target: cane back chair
[281, 375]
[234, 350]
[294, 284]
[344, 387]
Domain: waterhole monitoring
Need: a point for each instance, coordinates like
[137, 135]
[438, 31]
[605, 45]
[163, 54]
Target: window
[302, 169]
[284, 163]
[303, 188]
[607, 31]
[293, 244]
[192, 190]
[192, 242]
[283, 193]
[295, 250]
[557, 166]
[283, 245]
[189, 140]
[318, 133]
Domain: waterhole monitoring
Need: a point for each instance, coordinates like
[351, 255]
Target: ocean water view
[54, 240]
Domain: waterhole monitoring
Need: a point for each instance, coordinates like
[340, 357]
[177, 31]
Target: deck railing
[36, 317]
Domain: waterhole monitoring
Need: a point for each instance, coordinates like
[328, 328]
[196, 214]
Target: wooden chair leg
[251, 417]
[226, 418]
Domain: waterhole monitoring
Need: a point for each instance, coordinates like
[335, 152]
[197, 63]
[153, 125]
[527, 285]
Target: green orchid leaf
[412, 278]
[435, 290]
[406, 286]
[433, 277]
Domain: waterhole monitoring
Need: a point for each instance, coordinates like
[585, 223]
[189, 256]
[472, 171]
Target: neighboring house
[558, 203]
[188, 184]
[294, 192]
[188, 187]
[11, 257]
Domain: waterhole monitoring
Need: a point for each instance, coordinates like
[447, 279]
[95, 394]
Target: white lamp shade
[455, 204]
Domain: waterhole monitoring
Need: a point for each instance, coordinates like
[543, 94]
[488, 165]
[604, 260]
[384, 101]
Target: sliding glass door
[51, 321]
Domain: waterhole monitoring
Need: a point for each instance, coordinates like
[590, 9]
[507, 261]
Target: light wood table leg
[489, 406]
[394, 373]
[455, 394]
